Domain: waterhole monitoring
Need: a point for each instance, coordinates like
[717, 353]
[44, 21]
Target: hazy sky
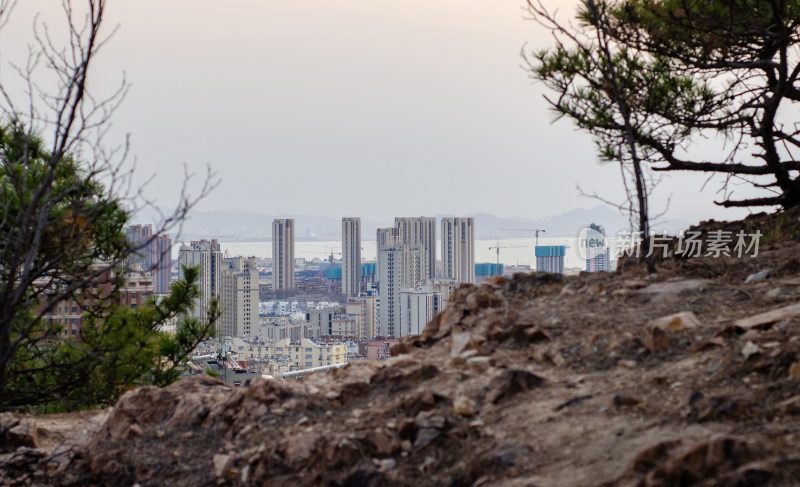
[360, 108]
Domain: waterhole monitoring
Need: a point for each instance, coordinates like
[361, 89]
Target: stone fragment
[529, 333]
[383, 441]
[628, 364]
[621, 400]
[668, 289]
[794, 371]
[723, 407]
[135, 431]
[758, 276]
[511, 382]
[678, 462]
[25, 433]
[479, 364]
[462, 342]
[463, 405]
[222, 463]
[425, 437]
[299, 448]
[791, 405]
[767, 318]
[656, 339]
[700, 345]
[677, 322]
[386, 464]
[750, 349]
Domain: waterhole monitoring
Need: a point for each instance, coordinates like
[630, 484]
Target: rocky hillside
[691, 377]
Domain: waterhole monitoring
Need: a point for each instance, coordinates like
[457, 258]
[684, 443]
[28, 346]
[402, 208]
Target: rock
[723, 407]
[222, 464]
[695, 397]
[464, 406]
[750, 349]
[386, 464]
[529, 333]
[677, 322]
[402, 347]
[656, 339]
[790, 406]
[425, 437]
[383, 441]
[700, 345]
[665, 290]
[628, 364]
[511, 382]
[768, 318]
[300, 448]
[758, 276]
[462, 342]
[658, 334]
[621, 400]
[25, 433]
[679, 462]
[572, 402]
[135, 431]
[479, 364]
[794, 371]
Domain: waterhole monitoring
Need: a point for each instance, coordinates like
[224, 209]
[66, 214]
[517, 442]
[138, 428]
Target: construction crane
[537, 230]
[498, 247]
[331, 254]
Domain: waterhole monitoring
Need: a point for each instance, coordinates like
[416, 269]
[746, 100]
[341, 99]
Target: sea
[513, 251]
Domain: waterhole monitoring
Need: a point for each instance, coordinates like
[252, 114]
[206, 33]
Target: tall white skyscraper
[351, 256]
[458, 249]
[420, 231]
[399, 266]
[386, 237]
[239, 297]
[595, 246]
[208, 257]
[283, 253]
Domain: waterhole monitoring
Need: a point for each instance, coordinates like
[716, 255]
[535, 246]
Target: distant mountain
[238, 225]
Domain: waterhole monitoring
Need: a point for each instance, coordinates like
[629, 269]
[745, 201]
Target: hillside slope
[688, 378]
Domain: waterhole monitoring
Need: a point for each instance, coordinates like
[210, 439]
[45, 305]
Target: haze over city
[349, 108]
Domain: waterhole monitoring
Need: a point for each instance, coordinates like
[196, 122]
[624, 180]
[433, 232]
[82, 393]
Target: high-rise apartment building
[421, 232]
[365, 311]
[458, 249]
[239, 297]
[399, 266]
[550, 258]
[351, 256]
[154, 255]
[595, 246]
[387, 237]
[283, 253]
[419, 305]
[207, 256]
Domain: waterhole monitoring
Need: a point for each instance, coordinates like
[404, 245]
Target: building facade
[154, 255]
[283, 254]
[420, 232]
[458, 249]
[365, 311]
[399, 266]
[206, 255]
[70, 313]
[322, 319]
[351, 256]
[550, 258]
[239, 297]
[597, 251]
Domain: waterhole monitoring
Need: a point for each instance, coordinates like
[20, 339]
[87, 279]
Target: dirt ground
[688, 377]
